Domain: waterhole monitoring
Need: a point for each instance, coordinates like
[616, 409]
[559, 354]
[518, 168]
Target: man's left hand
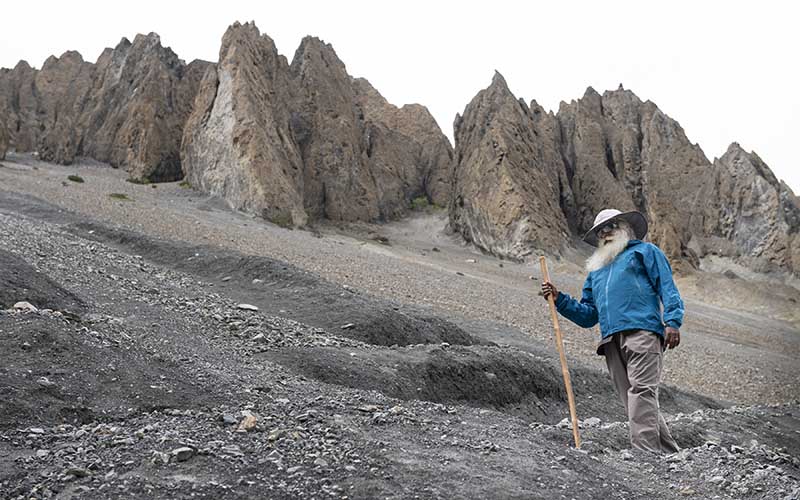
[673, 336]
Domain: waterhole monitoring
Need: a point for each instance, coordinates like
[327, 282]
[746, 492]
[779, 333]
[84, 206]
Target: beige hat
[635, 219]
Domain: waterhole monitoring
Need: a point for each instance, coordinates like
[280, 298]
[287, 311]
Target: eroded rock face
[627, 154]
[300, 141]
[756, 213]
[18, 106]
[137, 108]
[61, 86]
[508, 176]
[238, 142]
[3, 141]
[517, 164]
[128, 109]
[408, 142]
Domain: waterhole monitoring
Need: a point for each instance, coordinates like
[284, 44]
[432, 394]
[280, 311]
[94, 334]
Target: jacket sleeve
[583, 313]
[660, 274]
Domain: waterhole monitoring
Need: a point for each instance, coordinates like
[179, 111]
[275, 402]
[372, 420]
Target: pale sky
[727, 70]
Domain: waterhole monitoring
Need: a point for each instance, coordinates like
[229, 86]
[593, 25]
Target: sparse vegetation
[120, 196]
[282, 220]
[75, 178]
[185, 184]
[138, 180]
[420, 203]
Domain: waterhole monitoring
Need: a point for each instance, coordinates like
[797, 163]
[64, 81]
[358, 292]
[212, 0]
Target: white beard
[607, 252]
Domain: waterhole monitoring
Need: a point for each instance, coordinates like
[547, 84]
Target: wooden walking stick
[564, 370]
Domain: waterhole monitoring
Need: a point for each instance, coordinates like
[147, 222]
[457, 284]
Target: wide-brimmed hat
[634, 218]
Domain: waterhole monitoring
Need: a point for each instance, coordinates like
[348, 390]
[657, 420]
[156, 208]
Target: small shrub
[153, 186]
[282, 220]
[420, 203]
[138, 180]
[120, 196]
[383, 240]
[75, 178]
[185, 184]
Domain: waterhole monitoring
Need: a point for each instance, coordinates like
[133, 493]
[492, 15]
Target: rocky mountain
[525, 177]
[303, 140]
[508, 169]
[127, 109]
[306, 140]
[625, 153]
[751, 214]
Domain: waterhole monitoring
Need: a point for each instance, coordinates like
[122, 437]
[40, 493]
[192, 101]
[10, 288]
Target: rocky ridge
[506, 195]
[127, 109]
[517, 163]
[325, 145]
[299, 141]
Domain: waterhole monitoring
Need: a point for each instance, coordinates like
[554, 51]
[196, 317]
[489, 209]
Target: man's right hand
[549, 289]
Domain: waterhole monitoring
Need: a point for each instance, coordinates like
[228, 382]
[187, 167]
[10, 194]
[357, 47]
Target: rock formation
[506, 196]
[238, 143]
[3, 141]
[624, 153]
[525, 178]
[18, 106]
[128, 109]
[427, 170]
[751, 214]
[305, 140]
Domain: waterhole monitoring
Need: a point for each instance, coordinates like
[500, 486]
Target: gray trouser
[634, 361]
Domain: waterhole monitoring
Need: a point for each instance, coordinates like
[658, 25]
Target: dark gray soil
[20, 282]
[139, 395]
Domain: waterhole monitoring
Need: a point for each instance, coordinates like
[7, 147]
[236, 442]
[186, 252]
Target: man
[628, 282]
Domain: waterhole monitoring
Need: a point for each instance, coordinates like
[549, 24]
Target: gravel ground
[738, 356]
[167, 386]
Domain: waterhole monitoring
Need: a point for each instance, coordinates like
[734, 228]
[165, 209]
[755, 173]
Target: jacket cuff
[560, 299]
[673, 323]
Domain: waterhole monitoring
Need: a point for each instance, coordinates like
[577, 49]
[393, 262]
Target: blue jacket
[625, 294]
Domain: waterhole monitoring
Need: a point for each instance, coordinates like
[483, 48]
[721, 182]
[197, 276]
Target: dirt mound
[286, 290]
[499, 378]
[57, 371]
[19, 281]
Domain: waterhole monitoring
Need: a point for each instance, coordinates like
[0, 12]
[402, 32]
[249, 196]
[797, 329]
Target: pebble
[229, 419]
[591, 422]
[247, 307]
[77, 472]
[45, 382]
[25, 306]
[183, 453]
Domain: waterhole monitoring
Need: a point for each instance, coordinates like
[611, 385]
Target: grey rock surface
[324, 145]
[506, 197]
[127, 109]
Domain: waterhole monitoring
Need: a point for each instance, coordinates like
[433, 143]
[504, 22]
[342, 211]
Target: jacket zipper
[608, 279]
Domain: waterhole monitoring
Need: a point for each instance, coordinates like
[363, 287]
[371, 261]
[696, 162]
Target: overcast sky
[727, 71]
